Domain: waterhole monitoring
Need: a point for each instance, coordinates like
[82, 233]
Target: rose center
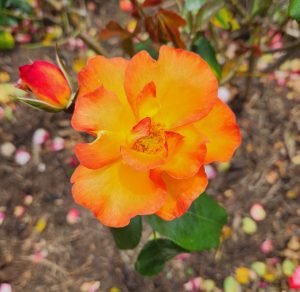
[153, 143]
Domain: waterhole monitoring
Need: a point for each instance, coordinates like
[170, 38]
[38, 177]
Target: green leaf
[260, 7]
[225, 19]
[155, 254]
[193, 5]
[128, 237]
[7, 41]
[294, 10]
[7, 20]
[202, 47]
[146, 46]
[206, 13]
[198, 229]
[18, 4]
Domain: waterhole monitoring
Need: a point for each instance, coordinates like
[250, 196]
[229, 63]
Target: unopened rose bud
[47, 83]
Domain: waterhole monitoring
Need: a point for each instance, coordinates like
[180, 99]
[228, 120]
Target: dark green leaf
[128, 237]
[146, 46]
[193, 5]
[18, 4]
[207, 11]
[7, 20]
[260, 7]
[198, 229]
[202, 47]
[294, 10]
[155, 254]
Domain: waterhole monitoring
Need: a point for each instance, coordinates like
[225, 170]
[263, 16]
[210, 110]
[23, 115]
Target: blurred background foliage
[229, 34]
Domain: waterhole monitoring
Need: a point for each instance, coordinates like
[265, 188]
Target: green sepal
[39, 104]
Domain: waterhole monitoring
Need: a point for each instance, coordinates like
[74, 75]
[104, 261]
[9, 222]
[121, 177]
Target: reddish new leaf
[114, 29]
[149, 3]
[169, 23]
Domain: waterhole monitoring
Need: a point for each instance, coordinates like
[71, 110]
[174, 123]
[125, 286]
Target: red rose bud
[47, 83]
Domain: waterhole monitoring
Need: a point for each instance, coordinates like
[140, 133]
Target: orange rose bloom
[47, 82]
[156, 124]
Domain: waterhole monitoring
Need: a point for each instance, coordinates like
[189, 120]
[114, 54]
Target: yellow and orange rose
[156, 124]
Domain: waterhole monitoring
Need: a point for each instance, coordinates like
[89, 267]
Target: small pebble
[193, 284]
[266, 246]
[223, 166]
[23, 38]
[41, 167]
[92, 286]
[39, 255]
[115, 289]
[183, 256]
[294, 243]
[231, 285]
[28, 200]
[58, 144]
[40, 136]
[210, 171]
[249, 226]
[288, 267]
[40, 225]
[2, 217]
[269, 277]
[19, 211]
[22, 157]
[292, 194]
[224, 94]
[258, 212]
[4, 77]
[7, 149]
[73, 216]
[242, 275]
[259, 268]
[209, 285]
[5, 287]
